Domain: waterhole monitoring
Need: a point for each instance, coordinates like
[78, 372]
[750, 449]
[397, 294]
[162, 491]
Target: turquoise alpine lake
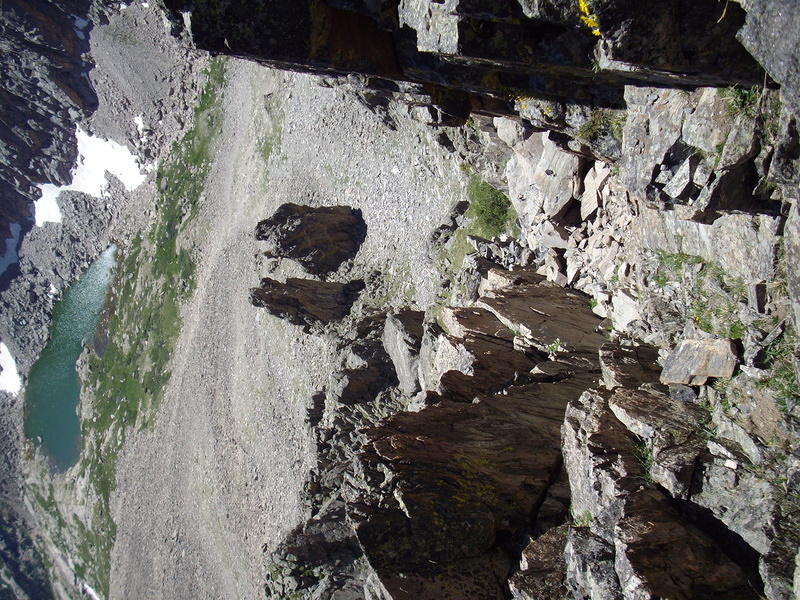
[53, 390]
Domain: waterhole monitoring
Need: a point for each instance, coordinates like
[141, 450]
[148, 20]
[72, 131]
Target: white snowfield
[9, 377]
[95, 157]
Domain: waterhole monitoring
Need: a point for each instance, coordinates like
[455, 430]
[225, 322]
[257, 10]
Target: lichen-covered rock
[319, 238]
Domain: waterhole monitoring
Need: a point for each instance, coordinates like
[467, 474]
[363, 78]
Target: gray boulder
[402, 339]
[694, 361]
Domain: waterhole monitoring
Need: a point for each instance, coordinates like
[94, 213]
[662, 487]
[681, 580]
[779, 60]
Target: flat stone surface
[693, 361]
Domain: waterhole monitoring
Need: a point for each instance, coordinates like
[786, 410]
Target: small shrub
[555, 347]
[490, 209]
[582, 520]
[676, 261]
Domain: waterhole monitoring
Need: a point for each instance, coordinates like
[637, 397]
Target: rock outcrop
[544, 59]
[646, 544]
[655, 190]
[306, 302]
[320, 238]
[435, 503]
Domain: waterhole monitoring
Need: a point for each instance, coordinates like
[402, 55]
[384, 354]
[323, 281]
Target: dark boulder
[319, 238]
[306, 302]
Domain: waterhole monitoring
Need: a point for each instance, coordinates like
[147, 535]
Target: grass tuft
[600, 123]
[779, 357]
[741, 101]
[644, 454]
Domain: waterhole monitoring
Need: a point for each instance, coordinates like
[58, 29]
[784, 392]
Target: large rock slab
[547, 317]
[306, 302]
[653, 126]
[402, 339]
[672, 430]
[708, 125]
[694, 361]
[487, 357]
[656, 553]
[590, 566]
[742, 245]
[659, 556]
[319, 238]
[542, 568]
[599, 458]
[628, 366]
[451, 485]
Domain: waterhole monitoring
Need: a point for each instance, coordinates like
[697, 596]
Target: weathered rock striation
[544, 60]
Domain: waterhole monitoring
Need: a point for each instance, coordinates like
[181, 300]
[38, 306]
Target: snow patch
[138, 120]
[95, 157]
[9, 257]
[9, 377]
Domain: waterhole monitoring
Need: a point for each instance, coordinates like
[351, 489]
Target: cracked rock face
[645, 549]
[320, 238]
[467, 56]
[464, 480]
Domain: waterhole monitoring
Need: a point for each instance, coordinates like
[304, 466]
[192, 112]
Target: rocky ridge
[664, 202]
